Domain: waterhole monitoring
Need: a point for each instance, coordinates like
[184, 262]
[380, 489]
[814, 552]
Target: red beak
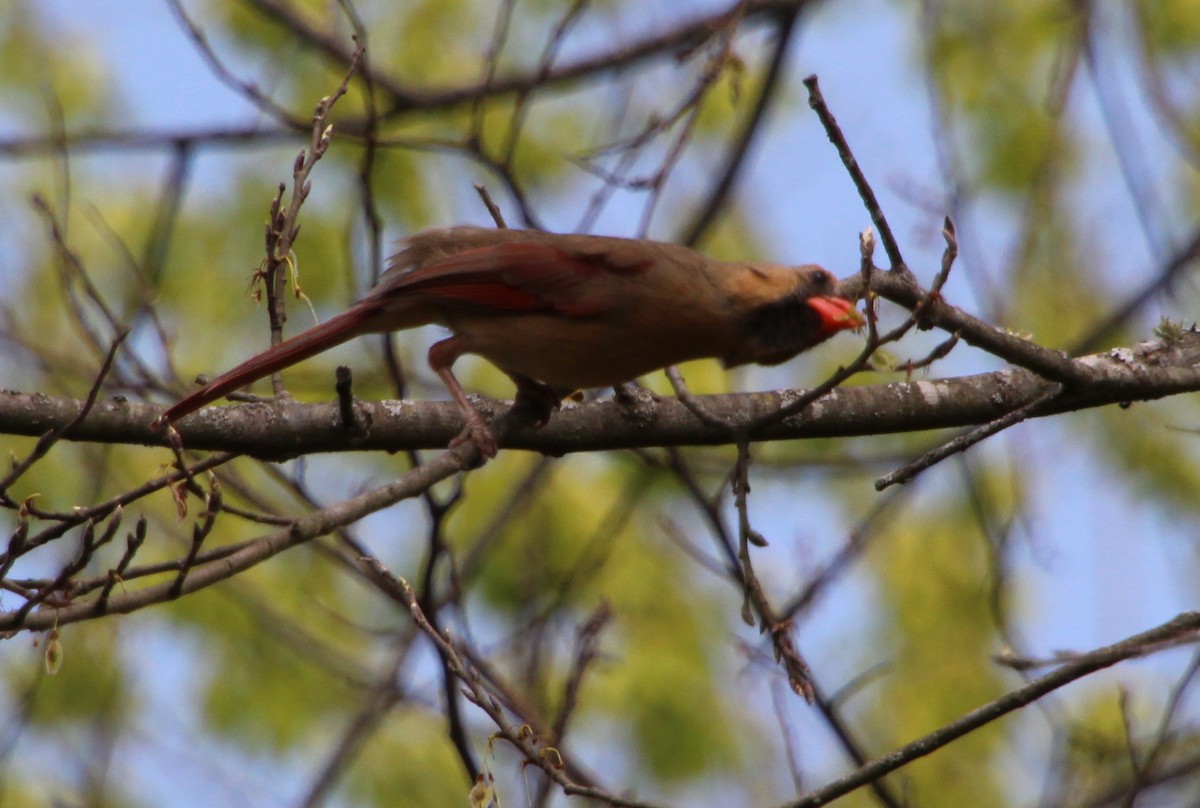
[836, 314]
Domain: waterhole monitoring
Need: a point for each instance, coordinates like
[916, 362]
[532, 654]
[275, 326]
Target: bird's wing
[513, 277]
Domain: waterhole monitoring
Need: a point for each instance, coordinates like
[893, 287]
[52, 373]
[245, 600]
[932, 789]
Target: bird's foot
[540, 400]
[479, 433]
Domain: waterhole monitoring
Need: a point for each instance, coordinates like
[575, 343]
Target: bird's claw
[541, 400]
[477, 432]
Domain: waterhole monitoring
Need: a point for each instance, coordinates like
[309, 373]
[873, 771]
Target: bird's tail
[337, 330]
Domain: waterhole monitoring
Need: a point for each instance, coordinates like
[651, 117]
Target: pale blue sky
[1099, 564]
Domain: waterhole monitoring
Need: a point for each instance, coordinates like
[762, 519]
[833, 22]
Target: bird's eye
[820, 277]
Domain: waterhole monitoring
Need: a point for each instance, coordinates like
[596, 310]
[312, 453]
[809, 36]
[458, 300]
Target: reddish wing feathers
[510, 276]
[515, 277]
[484, 293]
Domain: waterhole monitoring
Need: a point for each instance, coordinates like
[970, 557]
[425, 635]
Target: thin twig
[283, 226]
[966, 441]
[1186, 624]
[47, 441]
[817, 101]
[680, 388]
[523, 737]
[247, 89]
[735, 155]
[493, 209]
[755, 597]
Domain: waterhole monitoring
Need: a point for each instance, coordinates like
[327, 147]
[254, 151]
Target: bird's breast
[582, 353]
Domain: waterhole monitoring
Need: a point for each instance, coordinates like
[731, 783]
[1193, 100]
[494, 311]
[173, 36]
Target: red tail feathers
[341, 328]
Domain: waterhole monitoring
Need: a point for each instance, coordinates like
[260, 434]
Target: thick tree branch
[934, 310]
[1147, 371]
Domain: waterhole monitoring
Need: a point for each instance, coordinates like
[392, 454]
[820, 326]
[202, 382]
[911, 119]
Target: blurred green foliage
[286, 654]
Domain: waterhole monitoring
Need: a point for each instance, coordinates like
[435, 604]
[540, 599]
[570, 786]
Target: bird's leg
[441, 357]
[539, 398]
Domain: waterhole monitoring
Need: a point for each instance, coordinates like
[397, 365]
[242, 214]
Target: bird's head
[801, 315]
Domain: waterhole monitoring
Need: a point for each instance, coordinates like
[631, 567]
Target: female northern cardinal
[560, 313]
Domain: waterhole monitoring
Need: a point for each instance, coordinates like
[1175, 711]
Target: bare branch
[1135, 646]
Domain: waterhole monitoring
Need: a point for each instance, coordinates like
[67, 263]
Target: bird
[560, 313]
